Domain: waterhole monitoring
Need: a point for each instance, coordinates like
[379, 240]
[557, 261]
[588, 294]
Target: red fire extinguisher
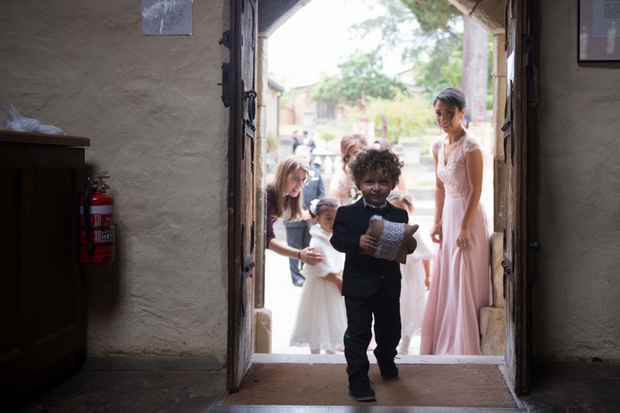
[97, 228]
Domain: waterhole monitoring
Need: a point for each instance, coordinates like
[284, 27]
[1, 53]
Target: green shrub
[406, 117]
[273, 143]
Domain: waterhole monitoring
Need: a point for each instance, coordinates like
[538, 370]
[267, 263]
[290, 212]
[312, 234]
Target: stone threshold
[339, 359]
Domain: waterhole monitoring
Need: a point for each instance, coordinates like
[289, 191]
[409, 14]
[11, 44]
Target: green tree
[432, 15]
[360, 72]
[435, 45]
[443, 67]
[405, 116]
[427, 28]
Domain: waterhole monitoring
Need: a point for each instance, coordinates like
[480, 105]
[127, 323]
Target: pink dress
[460, 278]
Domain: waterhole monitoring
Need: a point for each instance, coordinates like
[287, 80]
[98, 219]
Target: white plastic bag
[22, 124]
[50, 130]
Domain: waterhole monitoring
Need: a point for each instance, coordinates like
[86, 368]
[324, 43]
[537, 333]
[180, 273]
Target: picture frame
[166, 17]
[598, 31]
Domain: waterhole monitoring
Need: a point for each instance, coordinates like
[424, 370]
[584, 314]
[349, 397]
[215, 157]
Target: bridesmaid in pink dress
[460, 277]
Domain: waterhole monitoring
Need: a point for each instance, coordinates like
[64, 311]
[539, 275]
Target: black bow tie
[377, 211]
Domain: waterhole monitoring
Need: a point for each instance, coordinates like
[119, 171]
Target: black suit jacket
[362, 273]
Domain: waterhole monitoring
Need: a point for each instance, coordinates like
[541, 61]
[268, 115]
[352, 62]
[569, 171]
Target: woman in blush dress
[341, 187]
[460, 277]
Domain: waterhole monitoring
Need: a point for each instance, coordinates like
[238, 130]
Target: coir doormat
[445, 385]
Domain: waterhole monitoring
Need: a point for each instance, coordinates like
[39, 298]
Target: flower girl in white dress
[321, 316]
[416, 275]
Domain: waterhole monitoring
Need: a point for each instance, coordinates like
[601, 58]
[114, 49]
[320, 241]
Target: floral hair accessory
[312, 207]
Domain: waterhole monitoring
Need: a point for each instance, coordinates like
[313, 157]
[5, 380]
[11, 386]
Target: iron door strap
[247, 267]
[507, 127]
[508, 266]
[247, 260]
[250, 99]
[251, 95]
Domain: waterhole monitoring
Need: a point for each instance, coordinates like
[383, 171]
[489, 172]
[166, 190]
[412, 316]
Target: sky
[317, 37]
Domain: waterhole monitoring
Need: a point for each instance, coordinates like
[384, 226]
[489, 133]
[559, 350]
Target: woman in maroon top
[284, 196]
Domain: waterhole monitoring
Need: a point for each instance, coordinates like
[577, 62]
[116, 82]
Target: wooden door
[240, 78]
[520, 164]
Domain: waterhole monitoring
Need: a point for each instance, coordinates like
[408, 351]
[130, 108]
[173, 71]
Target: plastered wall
[576, 309]
[151, 107]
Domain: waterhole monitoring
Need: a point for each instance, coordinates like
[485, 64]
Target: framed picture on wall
[167, 17]
[598, 38]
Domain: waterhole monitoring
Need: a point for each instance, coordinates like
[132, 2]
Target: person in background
[296, 141]
[460, 279]
[384, 143]
[298, 232]
[341, 186]
[284, 197]
[306, 140]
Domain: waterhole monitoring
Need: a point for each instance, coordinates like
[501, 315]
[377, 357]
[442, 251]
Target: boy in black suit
[371, 286]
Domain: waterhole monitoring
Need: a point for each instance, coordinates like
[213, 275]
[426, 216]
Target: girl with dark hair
[321, 318]
[460, 277]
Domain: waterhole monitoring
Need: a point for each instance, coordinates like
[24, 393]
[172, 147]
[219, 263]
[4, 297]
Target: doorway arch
[509, 204]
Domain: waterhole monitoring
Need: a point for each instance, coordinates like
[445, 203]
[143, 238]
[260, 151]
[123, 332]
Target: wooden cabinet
[42, 299]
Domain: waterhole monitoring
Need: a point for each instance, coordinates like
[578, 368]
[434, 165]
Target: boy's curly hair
[375, 159]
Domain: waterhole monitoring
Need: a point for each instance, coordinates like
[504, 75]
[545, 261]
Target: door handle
[249, 267]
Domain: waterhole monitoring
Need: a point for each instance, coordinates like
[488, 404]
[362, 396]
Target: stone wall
[151, 107]
[575, 310]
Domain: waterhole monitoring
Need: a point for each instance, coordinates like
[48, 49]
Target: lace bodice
[454, 174]
[349, 192]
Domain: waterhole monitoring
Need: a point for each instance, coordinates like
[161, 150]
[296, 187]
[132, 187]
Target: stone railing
[329, 162]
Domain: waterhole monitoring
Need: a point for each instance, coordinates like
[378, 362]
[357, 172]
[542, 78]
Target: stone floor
[575, 387]
[556, 387]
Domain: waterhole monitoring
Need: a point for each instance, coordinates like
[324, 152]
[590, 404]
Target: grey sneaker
[360, 390]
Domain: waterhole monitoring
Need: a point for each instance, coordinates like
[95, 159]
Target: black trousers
[297, 237]
[385, 306]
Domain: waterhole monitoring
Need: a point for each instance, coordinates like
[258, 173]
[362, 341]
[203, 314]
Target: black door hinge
[228, 90]
[226, 39]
